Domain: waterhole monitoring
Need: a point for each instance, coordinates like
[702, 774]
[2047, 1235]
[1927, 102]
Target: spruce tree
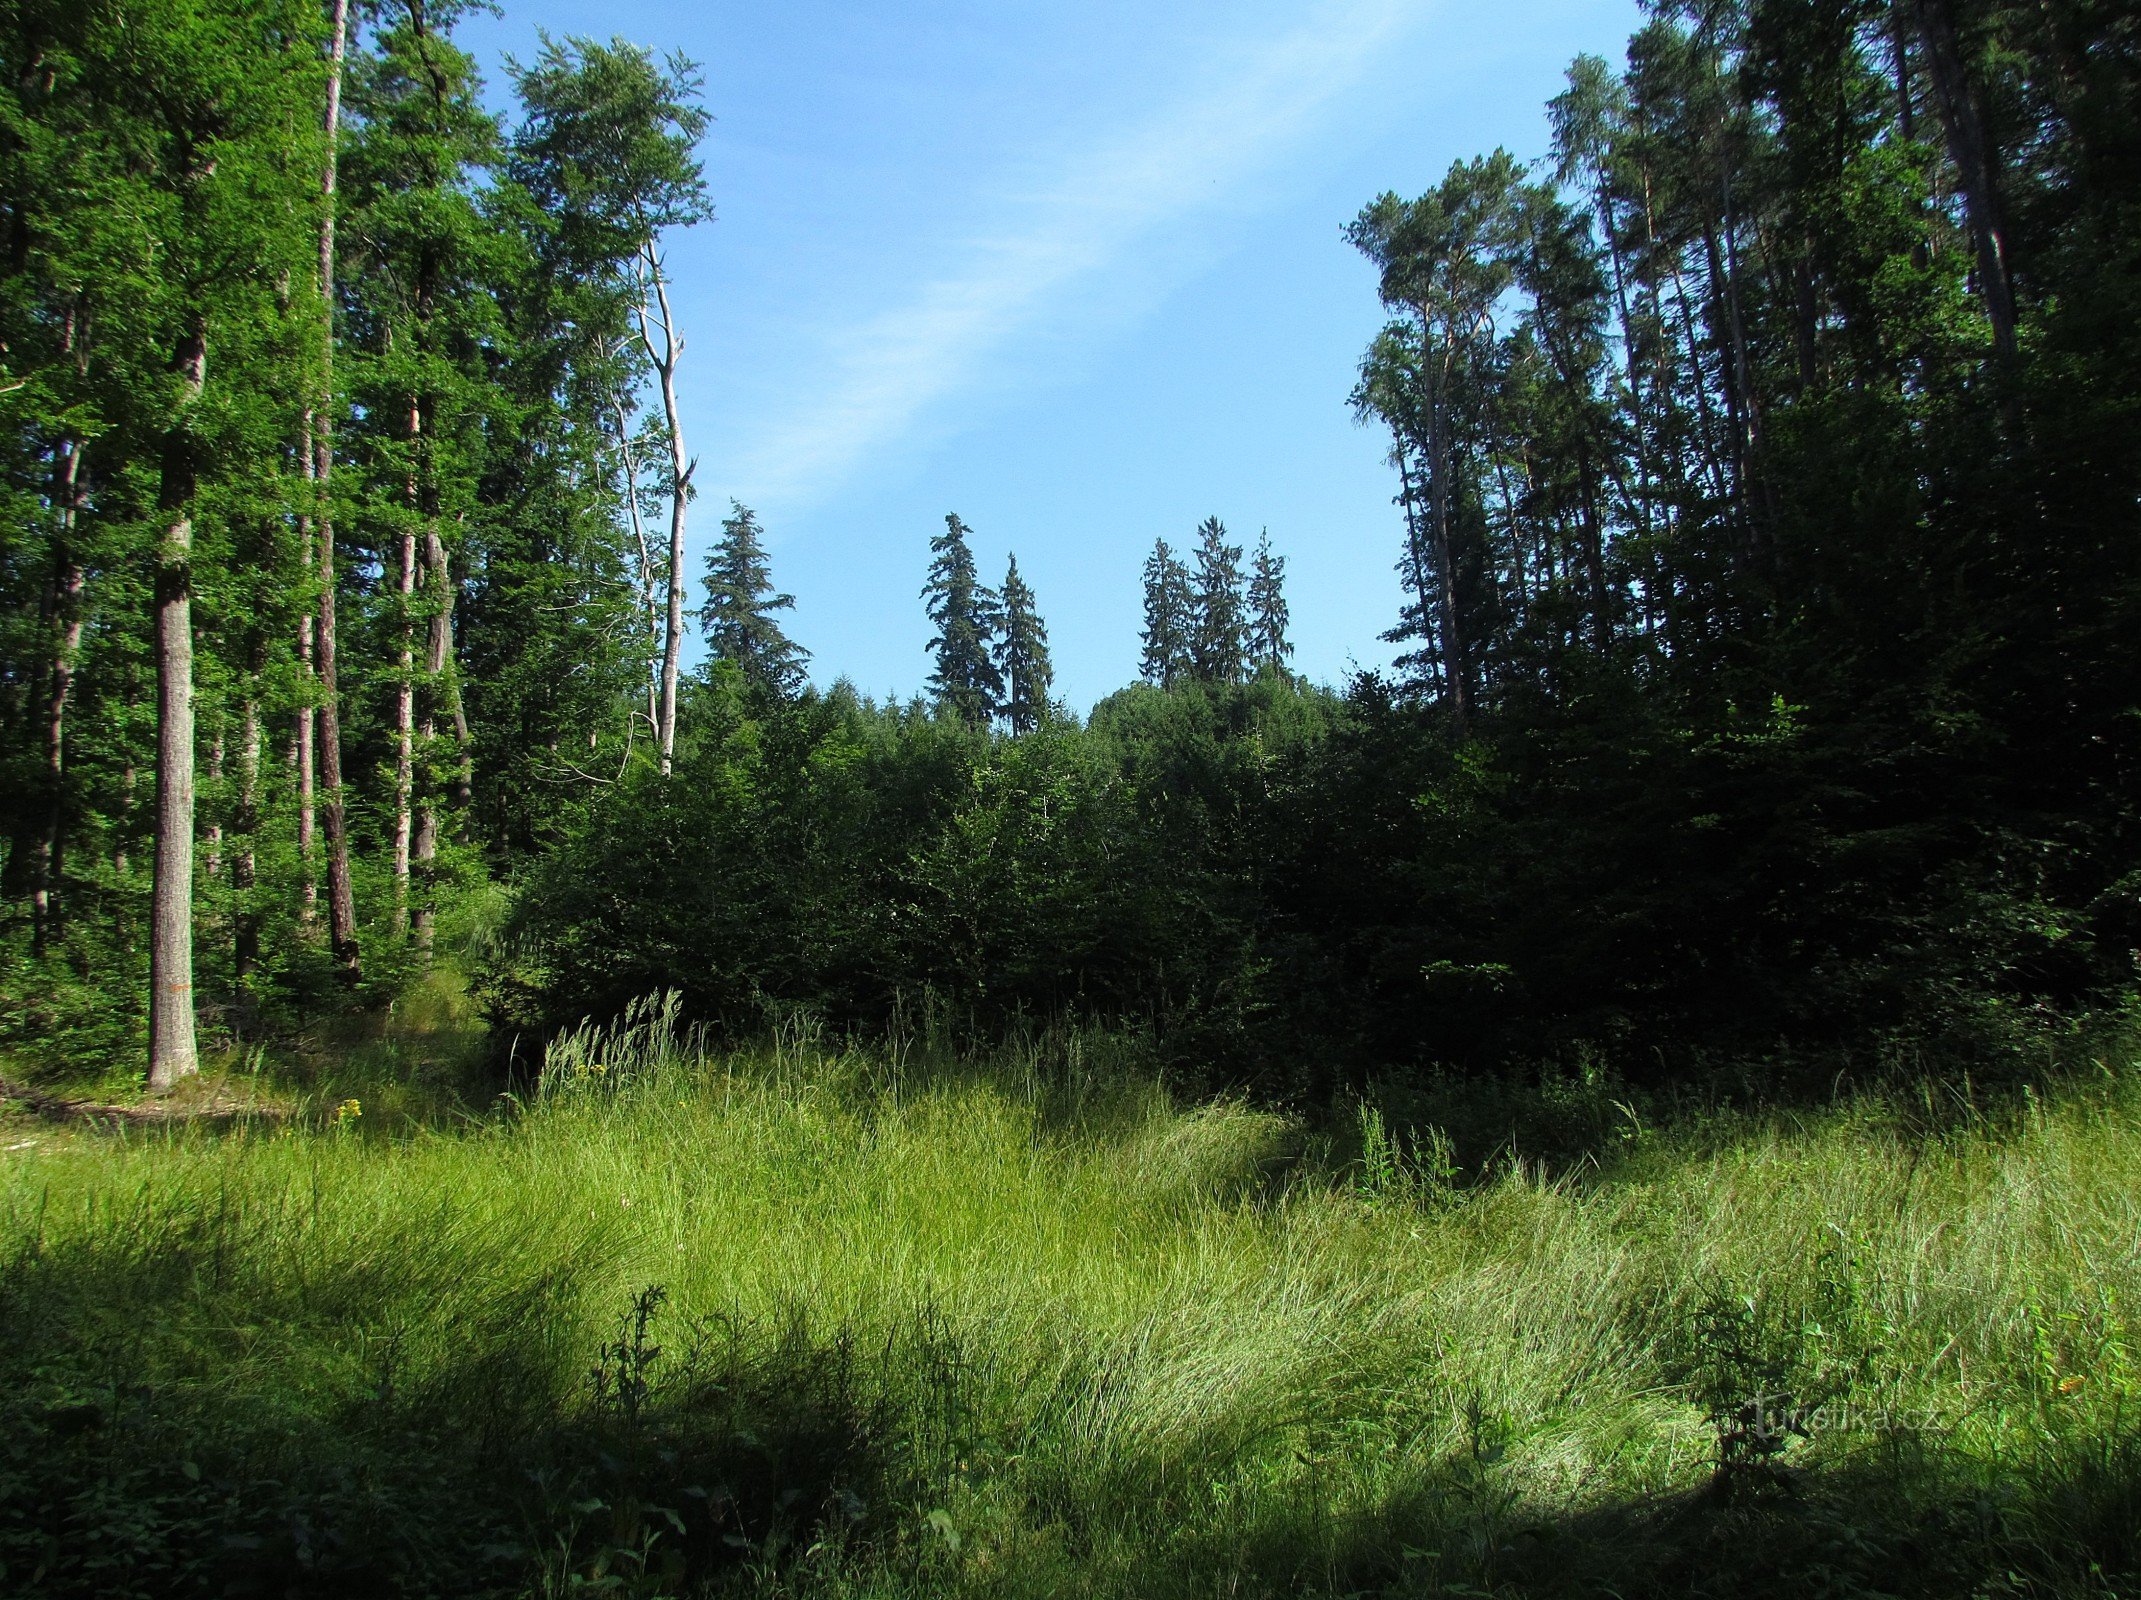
[1216, 634]
[966, 617]
[740, 602]
[1268, 644]
[1022, 656]
[1166, 660]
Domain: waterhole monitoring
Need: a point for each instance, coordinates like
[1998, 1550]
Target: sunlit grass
[1036, 1327]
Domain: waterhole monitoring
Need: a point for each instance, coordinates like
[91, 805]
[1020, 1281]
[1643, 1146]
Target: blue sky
[1072, 270]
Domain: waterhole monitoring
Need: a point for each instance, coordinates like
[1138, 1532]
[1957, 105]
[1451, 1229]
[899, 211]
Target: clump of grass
[806, 1319]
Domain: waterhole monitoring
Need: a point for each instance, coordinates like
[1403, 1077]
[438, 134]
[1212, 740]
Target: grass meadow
[804, 1320]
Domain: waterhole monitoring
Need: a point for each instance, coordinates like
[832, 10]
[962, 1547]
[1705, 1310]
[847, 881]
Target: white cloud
[897, 368]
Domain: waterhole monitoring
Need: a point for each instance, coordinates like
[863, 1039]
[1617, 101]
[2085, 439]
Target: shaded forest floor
[816, 1321]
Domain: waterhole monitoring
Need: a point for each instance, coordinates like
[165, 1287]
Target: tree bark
[443, 692]
[341, 900]
[1456, 668]
[680, 470]
[172, 1051]
[1416, 552]
[308, 711]
[1977, 167]
[629, 457]
[245, 824]
[214, 864]
[67, 581]
[405, 688]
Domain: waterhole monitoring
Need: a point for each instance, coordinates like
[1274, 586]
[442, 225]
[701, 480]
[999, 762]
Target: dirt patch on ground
[216, 1107]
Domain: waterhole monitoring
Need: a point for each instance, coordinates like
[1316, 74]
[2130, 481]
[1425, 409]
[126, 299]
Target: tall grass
[803, 1320]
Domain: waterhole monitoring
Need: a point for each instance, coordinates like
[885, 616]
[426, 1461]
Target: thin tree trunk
[680, 469]
[245, 820]
[653, 611]
[1899, 48]
[405, 688]
[1594, 548]
[1456, 667]
[1731, 367]
[1977, 168]
[308, 712]
[214, 864]
[66, 642]
[1628, 356]
[1416, 550]
[129, 785]
[444, 692]
[341, 900]
[1706, 416]
[172, 1052]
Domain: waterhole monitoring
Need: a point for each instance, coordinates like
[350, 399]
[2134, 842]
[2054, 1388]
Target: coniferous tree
[966, 616]
[1166, 659]
[740, 602]
[1442, 264]
[1022, 656]
[1218, 646]
[1268, 616]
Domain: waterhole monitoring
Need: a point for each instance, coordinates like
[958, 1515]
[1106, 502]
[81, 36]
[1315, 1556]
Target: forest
[1460, 1130]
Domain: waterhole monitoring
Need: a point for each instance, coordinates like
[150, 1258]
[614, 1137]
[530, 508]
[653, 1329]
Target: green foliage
[1265, 637]
[1022, 656]
[1218, 642]
[967, 617]
[1168, 615]
[740, 601]
[163, 171]
[867, 862]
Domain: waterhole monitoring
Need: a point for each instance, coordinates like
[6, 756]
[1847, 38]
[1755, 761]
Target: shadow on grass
[148, 1448]
[534, 1459]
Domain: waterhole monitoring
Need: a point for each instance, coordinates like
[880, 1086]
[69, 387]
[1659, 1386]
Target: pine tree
[1022, 656]
[1268, 644]
[1444, 260]
[966, 617]
[1217, 653]
[740, 602]
[1166, 659]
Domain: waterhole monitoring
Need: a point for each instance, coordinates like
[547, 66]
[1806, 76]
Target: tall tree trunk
[245, 824]
[66, 643]
[629, 456]
[405, 687]
[1706, 416]
[341, 900]
[1977, 167]
[172, 1053]
[443, 691]
[1637, 430]
[308, 711]
[1594, 547]
[214, 864]
[680, 470]
[1456, 667]
[1409, 499]
[1899, 50]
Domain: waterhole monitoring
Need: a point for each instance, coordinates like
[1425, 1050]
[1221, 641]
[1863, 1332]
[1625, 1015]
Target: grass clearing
[801, 1320]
